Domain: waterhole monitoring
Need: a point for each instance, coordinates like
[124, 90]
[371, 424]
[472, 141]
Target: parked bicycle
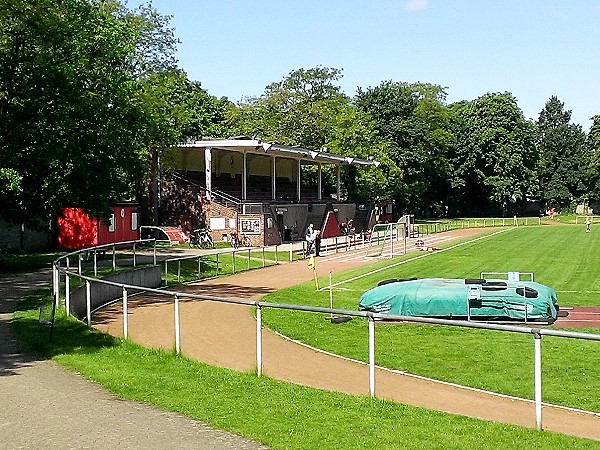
[237, 240]
[200, 238]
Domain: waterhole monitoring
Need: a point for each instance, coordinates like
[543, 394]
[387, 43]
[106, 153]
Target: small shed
[76, 229]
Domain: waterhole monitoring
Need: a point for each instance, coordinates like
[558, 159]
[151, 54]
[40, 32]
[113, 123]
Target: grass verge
[275, 413]
[563, 257]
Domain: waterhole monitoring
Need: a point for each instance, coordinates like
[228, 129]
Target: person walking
[588, 224]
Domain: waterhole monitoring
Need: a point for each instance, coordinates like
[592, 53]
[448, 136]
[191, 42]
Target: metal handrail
[370, 316]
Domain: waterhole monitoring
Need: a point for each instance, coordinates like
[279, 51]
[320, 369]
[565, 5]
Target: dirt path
[45, 406]
[225, 335]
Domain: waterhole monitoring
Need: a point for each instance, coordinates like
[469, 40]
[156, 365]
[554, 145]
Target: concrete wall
[103, 294]
[21, 238]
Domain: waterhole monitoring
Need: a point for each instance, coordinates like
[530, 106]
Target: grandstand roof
[257, 146]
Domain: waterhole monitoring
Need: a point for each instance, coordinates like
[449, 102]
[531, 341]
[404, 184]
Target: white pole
[79, 263]
[114, 257]
[154, 251]
[134, 261]
[95, 263]
[537, 356]
[259, 340]
[88, 302]
[55, 278]
[291, 252]
[125, 318]
[371, 356]
[330, 296]
[177, 334]
[67, 291]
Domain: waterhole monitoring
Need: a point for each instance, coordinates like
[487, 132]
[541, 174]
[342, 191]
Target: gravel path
[46, 406]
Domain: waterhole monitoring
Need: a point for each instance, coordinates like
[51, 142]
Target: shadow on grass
[68, 336]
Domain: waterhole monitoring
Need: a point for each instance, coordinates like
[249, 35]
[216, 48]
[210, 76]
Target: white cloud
[415, 5]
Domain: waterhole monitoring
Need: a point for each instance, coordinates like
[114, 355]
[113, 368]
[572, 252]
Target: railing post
[154, 251]
[258, 340]
[95, 263]
[276, 259]
[217, 267]
[67, 288]
[125, 318]
[134, 261]
[88, 302]
[199, 267]
[291, 252]
[177, 331]
[166, 272]
[55, 282]
[233, 261]
[114, 257]
[537, 377]
[263, 256]
[79, 263]
[248, 259]
[371, 356]
[179, 270]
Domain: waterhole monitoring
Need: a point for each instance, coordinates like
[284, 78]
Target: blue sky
[531, 48]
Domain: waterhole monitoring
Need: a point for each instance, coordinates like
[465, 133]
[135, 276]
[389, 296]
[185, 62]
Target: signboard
[250, 226]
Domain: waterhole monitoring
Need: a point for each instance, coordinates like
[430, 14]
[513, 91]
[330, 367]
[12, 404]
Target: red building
[76, 229]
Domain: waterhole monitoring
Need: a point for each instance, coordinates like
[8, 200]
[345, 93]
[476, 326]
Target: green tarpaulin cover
[447, 298]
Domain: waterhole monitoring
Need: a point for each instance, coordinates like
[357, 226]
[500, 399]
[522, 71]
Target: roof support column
[208, 169]
[244, 177]
[273, 181]
[338, 188]
[298, 172]
[319, 185]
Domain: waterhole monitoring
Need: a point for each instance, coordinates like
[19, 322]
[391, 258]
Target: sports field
[563, 257]
[292, 417]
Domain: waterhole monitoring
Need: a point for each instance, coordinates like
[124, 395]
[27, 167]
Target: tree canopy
[84, 98]
[91, 95]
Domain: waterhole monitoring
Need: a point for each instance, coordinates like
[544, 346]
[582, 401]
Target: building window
[134, 221]
[111, 224]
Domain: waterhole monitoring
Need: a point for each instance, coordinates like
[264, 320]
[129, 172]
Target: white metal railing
[371, 317]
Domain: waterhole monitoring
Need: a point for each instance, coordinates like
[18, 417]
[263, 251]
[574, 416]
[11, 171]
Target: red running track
[579, 317]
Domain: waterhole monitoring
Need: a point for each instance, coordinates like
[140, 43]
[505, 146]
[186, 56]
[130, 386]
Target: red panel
[122, 229]
[331, 227]
[76, 229]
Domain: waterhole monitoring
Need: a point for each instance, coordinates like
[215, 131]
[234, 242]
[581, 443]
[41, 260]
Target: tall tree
[71, 129]
[176, 108]
[564, 156]
[593, 143]
[413, 119]
[495, 156]
[308, 109]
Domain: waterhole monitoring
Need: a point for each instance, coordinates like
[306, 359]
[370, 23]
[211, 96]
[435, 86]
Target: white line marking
[422, 256]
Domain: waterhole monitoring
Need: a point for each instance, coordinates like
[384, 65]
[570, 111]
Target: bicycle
[246, 242]
[235, 240]
[200, 238]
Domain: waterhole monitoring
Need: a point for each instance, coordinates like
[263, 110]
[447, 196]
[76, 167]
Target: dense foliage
[88, 91]
[91, 95]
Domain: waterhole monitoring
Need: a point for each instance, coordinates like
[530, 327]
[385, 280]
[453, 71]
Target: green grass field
[563, 257]
[286, 416]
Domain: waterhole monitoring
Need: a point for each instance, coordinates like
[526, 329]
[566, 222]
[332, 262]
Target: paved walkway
[46, 406]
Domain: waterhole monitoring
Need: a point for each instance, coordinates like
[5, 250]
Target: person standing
[317, 242]
[310, 239]
[588, 224]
